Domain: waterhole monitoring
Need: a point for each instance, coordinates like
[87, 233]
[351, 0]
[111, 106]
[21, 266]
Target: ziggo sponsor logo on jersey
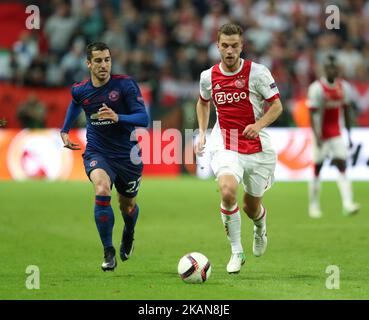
[222, 97]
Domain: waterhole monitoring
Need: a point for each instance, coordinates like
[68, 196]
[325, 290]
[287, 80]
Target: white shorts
[256, 171]
[335, 148]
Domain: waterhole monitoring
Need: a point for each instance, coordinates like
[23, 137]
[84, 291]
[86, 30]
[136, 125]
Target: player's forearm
[203, 113]
[136, 119]
[271, 115]
[347, 118]
[72, 114]
[314, 119]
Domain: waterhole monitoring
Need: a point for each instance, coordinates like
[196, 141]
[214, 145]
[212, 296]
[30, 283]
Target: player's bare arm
[347, 116]
[252, 130]
[314, 119]
[203, 113]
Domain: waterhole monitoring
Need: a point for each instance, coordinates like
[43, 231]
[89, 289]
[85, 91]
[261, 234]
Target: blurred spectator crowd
[167, 43]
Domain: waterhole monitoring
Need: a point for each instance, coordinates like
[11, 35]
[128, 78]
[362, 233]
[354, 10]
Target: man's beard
[101, 76]
[231, 63]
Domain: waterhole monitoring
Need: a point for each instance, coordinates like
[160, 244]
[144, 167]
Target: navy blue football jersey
[122, 94]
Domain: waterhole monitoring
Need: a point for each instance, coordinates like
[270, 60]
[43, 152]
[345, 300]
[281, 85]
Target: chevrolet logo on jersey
[101, 123]
[95, 116]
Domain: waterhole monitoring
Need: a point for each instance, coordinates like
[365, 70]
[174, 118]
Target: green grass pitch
[51, 225]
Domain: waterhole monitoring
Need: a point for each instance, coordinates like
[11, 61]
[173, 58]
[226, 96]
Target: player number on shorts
[134, 185]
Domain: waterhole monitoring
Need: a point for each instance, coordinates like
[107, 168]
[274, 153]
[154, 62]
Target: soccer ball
[194, 267]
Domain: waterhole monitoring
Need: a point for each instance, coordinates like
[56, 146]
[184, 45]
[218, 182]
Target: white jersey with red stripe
[329, 100]
[239, 101]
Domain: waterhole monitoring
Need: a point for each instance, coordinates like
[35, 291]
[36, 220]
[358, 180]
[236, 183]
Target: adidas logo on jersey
[217, 87]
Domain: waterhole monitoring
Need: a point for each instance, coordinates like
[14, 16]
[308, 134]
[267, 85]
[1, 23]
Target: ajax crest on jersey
[240, 83]
[194, 267]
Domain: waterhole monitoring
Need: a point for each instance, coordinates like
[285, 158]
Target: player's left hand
[251, 131]
[107, 113]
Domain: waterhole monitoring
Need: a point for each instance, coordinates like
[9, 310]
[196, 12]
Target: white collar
[325, 81]
[231, 73]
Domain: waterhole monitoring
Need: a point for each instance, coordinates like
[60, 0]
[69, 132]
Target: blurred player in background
[329, 101]
[113, 106]
[240, 149]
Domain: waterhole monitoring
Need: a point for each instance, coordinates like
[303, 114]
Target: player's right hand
[67, 143]
[252, 131]
[200, 145]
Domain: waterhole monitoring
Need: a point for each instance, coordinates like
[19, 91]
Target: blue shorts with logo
[125, 175]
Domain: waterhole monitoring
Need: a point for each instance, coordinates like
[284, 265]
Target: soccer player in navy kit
[113, 106]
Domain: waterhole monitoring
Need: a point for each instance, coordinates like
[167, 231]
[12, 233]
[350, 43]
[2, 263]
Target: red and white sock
[260, 220]
[231, 218]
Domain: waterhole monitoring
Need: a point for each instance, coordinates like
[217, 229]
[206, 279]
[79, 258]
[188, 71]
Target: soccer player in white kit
[240, 148]
[329, 100]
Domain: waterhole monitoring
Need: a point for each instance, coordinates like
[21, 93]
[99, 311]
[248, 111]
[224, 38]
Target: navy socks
[131, 219]
[104, 218]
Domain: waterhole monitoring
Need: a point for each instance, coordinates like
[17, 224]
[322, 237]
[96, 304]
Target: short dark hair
[95, 46]
[230, 29]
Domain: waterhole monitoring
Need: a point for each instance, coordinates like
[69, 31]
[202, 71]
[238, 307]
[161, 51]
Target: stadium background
[164, 45]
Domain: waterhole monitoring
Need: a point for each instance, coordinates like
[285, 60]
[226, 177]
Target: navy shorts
[125, 175]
